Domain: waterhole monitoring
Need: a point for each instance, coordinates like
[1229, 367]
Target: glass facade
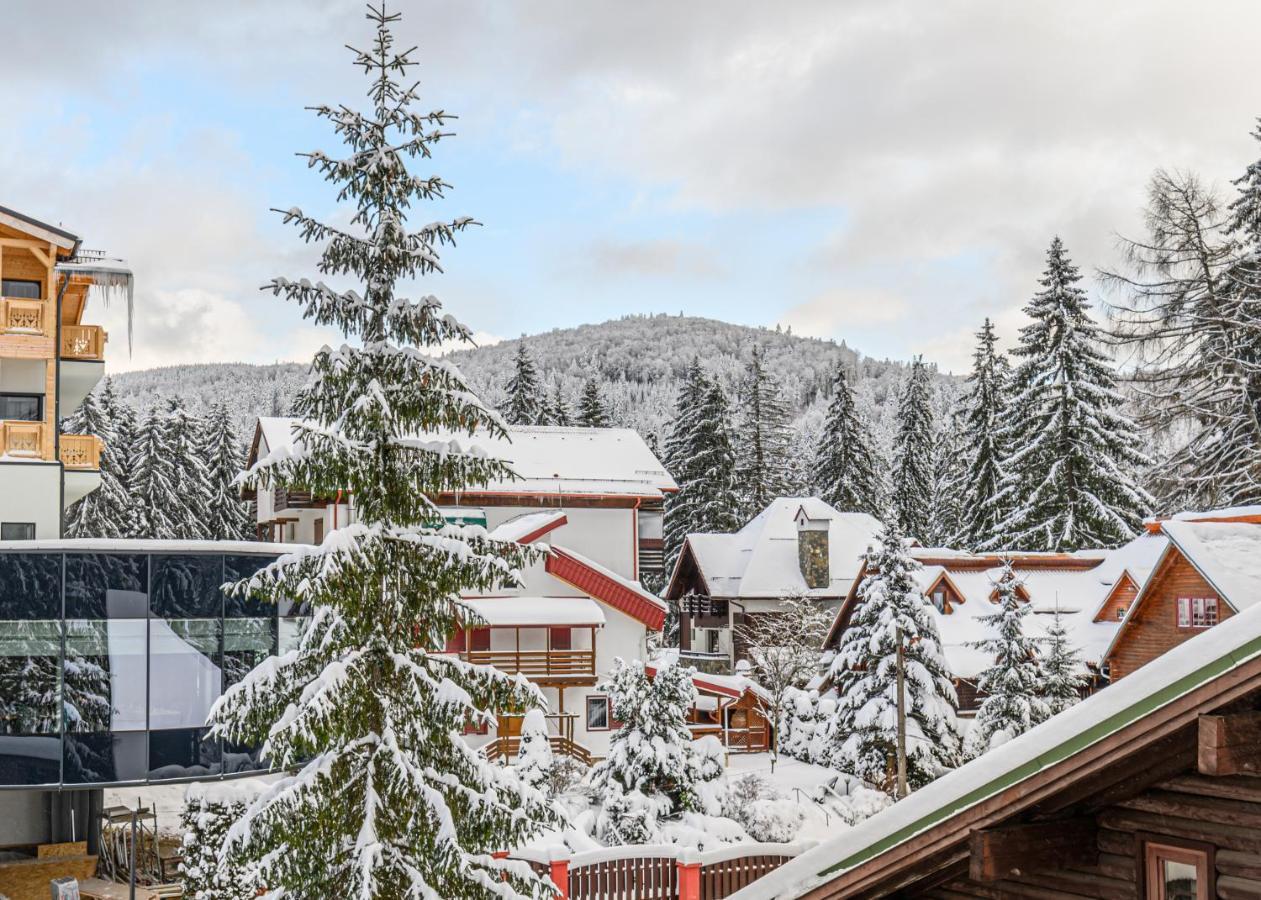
[111, 661]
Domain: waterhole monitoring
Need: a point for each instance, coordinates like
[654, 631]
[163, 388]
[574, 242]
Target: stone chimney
[812, 550]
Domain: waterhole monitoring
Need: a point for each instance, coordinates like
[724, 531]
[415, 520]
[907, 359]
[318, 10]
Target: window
[1176, 871]
[22, 407]
[1197, 612]
[17, 531]
[1121, 612]
[939, 599]
[712, 638]
[19, 288]
[597, 714]
[479, 639]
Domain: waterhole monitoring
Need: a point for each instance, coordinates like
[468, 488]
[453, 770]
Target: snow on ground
[797, 781]
[166, 799]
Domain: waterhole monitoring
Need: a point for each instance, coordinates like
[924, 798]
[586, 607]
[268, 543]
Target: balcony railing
[537, 663]
[83, 342]
[24, 440]
[22, 316]
[81, 451]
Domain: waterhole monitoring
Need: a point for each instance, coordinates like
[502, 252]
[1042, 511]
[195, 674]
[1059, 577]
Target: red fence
[660, 872]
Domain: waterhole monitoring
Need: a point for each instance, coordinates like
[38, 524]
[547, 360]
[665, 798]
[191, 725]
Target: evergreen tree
[764, 439]
[983, 411]
[1070, 473]
[534, 756]
[846, 466]
[865, 674]
[106, 511]
[227, 516]
[1063, 676]
[154, 479]
[1012, 683]
[560, 413]
[949, 479]
[384, 798]
[121, 459]
[209, 812]
[526, 402]
[189, 507]
[913, 455]
[591, 411]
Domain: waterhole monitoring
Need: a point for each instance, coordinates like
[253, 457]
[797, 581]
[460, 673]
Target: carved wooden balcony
[83, 342]
[23, 440]
[22, 316]
[81, 451]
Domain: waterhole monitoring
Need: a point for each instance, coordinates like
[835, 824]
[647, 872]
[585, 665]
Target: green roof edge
[1059, 753]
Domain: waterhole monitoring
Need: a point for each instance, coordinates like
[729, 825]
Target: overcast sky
[887, 173]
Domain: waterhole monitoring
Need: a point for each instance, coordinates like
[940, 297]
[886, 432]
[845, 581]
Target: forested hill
[638, 360]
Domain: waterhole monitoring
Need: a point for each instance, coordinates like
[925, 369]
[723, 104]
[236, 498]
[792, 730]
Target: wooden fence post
[689, 875]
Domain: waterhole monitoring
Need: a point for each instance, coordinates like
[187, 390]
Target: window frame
[1153, 848]
[608, 711]
[39, 288]
[1197, 613]
[4, 525]
[25, 395]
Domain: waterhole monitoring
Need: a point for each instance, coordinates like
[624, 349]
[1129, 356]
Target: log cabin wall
[1222, 814]
[1119, 600]
[1153, 626]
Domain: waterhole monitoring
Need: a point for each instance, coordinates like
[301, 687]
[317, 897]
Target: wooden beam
[41, 255]
[1013, 850]
[1230, 744]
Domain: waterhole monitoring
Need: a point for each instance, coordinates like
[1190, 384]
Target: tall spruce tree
[591, 410]
[384, 799]
[527, 404]
[864, 671]
[106, 511]
[1012, 684]
[559, 411]
[154, 479]
[912, 489]
[121, 458]
[1062, 673]
[846, 466]
[983, 409]
[1070, 479]
[764, 438]
[189, 508]
[227, 516]
[949, 477]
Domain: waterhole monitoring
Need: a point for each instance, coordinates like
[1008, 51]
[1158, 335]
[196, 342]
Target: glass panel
[241, 758]
[20, 289]
[184, 673]
[17, 531]
[104, 758]
[597, 713]
[291, 631]
[183, 753]
[104, 669]
[236, 568]
[187, 587]
[106, 586]
[22, 407]
[1180, 880]
[30, 586]
[30, 653]
[246, 643]
[30, 760]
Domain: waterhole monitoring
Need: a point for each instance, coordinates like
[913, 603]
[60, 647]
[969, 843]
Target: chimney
[812, 550]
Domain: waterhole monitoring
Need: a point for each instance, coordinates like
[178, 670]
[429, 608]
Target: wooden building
[1209, 571]
[1148, 789]
[730, 708]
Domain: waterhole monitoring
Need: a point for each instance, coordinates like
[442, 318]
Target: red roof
[600, 584]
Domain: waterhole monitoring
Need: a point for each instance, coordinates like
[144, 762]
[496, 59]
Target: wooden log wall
[1222, 811]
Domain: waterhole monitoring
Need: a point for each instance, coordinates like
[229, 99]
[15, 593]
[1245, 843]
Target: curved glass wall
[111, 661]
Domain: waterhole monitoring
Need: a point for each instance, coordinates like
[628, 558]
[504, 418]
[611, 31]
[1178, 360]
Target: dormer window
[939, 598]
[1121, 610]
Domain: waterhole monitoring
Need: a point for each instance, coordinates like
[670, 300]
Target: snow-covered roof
[537, 611]
[731, 686]
[551, 459]
[1227, 554]
[1208, 656]
[760, 560]
[529, 527]
[1209, 515]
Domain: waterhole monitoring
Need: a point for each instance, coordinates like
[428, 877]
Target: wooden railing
[22, 316]
[83, 342]
[507, 748]
[81, 451]
[535, 662]
[24, 440]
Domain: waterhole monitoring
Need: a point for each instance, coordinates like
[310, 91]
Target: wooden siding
[1153, 625]
[1119, 599]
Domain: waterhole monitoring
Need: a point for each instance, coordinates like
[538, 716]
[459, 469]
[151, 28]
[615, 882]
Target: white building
[594, 497]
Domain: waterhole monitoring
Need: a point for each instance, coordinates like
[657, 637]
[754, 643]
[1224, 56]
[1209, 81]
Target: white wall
[608, 536]
[31, 492]
[23, 376]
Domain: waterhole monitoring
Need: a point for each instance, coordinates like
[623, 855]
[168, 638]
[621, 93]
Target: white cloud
[840, 310]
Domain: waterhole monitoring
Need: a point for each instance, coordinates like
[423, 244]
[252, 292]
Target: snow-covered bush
[565, 776]
[708, 776]
[801, 716]
[209, 811]
[850, 799]
[630, 817]
[534, 758]
[819, 749]
[763, 812]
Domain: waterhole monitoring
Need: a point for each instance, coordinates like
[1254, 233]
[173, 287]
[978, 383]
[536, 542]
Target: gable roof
[606, 585]
[21, 222]
[760, 560]
[548, 459]
[529, 527]
[1214, 667]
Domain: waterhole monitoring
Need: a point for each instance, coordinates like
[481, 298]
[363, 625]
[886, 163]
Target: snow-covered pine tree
[384, 798]
[1070, 472]
[765, 435]
[106, 511]
[912, 499]
[949, 476]
[226, 516]
[559, 412]
[209, 811]
[1012, 684]
[1061, 672]
[534, 756]
[983, 409]
[846, 466]
[591, 410]
[153, 479]
[121, 459]
[864, 671]
[527, 404]
[189, 507]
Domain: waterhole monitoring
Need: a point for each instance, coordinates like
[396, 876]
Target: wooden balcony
[537, 663]
[22, 440]
[81, 451]
[22, 316]
[83, 342]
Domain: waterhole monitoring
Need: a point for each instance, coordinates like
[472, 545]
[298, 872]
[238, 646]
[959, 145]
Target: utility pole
[901, 718]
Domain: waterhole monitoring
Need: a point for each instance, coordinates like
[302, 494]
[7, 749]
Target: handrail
[83, 342]
[81, 451]
[535, 662]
